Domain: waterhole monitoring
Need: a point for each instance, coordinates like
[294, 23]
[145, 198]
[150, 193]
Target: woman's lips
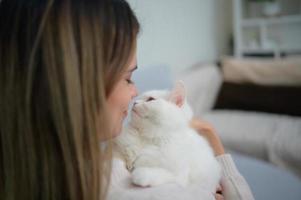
[125, 113]
[136, 112]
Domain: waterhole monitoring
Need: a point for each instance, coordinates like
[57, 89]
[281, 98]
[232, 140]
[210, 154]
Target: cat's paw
[141, 177]
[149, 177]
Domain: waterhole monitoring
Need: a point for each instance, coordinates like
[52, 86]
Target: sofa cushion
[202, 83]
[271, 137]
[285, 71]
[272, 99]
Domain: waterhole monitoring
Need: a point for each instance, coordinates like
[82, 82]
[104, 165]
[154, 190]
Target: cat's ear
[177, 94]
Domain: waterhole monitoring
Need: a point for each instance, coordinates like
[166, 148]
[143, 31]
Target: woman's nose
[135, 92]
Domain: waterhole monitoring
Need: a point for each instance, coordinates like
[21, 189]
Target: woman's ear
[177, 94]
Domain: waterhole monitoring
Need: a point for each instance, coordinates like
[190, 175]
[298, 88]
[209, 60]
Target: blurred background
[181, 33]
[240, 61]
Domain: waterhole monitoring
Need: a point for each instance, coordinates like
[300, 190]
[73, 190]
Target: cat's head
[161, 108]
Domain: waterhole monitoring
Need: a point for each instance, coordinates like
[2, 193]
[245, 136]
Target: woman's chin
[116, 131]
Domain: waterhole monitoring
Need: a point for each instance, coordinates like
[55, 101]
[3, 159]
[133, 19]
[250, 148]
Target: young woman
[60, 62]
[65, 86]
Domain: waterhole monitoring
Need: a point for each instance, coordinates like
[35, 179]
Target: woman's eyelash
[129, 81]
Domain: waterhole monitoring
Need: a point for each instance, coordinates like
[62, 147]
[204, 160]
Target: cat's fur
[159, 146]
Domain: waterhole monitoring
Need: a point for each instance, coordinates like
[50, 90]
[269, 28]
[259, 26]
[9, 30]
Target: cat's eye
[150, 99]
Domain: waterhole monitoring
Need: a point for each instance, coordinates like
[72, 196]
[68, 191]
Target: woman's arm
[206, 130]
[234, 186]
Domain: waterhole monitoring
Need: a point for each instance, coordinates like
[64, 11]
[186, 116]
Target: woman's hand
[219, 196]
[219, 193]
[205, 129]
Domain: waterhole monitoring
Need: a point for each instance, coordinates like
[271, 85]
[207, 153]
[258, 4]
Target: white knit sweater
[234, 186]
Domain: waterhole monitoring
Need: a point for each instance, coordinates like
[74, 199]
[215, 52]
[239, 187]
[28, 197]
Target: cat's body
[159, 146]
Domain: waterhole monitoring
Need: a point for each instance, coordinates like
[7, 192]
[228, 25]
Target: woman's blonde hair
[59, 61]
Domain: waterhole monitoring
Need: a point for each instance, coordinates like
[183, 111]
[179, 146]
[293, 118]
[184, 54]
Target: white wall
[180, 33]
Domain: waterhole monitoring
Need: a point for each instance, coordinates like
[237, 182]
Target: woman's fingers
[219, 196]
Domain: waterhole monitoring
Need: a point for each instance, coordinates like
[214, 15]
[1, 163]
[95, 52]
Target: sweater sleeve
[233, 183]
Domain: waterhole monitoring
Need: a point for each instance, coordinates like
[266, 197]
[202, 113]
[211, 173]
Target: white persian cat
[159, 146]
